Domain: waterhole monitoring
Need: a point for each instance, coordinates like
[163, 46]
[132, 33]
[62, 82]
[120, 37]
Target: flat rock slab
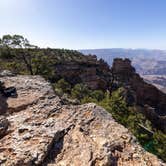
[42, 131]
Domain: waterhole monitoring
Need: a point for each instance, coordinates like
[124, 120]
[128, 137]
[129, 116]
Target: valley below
[157, 80]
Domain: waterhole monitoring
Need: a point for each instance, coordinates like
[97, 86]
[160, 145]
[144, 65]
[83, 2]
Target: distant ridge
[144, 60]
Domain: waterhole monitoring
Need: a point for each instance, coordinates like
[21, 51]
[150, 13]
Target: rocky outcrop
[90, 71]
[43, 131]
[123, 70]
[146, 95]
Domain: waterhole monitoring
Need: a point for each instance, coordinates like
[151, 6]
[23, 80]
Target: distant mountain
[145, 61]
[151, 64]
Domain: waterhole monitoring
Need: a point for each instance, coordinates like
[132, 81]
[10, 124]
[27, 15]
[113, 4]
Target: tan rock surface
[42, 131]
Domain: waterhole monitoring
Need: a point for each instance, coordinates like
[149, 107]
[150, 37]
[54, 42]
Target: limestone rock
[42, 131]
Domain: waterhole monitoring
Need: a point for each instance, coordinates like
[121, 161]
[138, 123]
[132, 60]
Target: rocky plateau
[37, 128]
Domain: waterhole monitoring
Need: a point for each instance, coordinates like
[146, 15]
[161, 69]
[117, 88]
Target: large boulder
[43, 131]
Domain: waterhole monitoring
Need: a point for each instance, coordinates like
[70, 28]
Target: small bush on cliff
[62, 87]
[97, 94]
[80, 91]
[159, 144]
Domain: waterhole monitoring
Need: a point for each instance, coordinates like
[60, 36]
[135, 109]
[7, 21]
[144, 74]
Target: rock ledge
[42, 131]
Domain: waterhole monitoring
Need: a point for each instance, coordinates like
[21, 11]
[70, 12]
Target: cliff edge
[42, 131]
[151, 99]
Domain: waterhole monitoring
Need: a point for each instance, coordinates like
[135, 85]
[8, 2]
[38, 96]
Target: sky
[86, 24]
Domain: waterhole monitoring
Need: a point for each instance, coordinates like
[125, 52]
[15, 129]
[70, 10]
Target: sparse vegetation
[150, 138]
[19, 56]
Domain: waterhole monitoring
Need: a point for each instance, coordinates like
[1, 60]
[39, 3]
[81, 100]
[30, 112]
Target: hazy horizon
[123, 49]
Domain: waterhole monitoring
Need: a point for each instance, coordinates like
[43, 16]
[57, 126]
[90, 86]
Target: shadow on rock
[54, 150]
[3, 104]
[4, 94]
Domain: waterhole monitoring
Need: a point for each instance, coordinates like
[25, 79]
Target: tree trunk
[29, 66]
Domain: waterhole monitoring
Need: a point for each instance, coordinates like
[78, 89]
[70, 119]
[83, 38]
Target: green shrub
[62, 86]
[97, 95]
[80, 91]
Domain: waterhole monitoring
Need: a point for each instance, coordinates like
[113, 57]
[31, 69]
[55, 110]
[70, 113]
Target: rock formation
[123, 70]
[152, 100]
[90, 71]
[43, 131]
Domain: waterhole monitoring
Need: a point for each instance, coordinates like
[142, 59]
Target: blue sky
[78, 24]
